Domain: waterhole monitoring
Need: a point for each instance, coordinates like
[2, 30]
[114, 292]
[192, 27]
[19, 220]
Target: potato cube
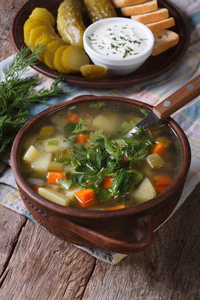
[155, 161]
[55, 144]
[72, 190]
[109, 123]
[55, 166]
[144, 192]
[31, 154]
[54, 196]
[42, 163]
[164, 141]
[52, 186]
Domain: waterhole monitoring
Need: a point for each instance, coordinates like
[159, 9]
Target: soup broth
[80, 157]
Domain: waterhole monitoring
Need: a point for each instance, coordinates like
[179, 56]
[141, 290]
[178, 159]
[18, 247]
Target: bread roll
[140, 8]
[158, 15]
[160, 25]
[163, 40]
[122, 3]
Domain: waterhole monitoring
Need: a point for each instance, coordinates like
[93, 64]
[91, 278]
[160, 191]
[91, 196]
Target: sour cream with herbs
[117, 40]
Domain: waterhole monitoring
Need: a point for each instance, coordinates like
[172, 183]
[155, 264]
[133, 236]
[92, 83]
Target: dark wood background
[36, 265]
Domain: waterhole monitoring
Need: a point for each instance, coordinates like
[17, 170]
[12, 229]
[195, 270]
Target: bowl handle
[142, 231]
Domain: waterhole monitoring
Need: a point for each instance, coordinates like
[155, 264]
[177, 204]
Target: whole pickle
[99, 9]
[70, 22]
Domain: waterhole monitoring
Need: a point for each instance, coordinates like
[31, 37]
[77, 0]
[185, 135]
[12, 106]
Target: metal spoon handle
[177, 100]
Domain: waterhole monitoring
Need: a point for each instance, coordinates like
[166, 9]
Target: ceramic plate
[153, 67]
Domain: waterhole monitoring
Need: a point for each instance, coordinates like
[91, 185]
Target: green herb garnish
[76, 127]
[97, 105]
[16, 92]
[73, 128]
[144, 111]
[65, 183]
[105, 157]
[52, 143]
[72, 107]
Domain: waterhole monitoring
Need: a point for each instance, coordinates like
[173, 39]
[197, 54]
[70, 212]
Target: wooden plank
[8, 10]
[168, 269]
[45, 267]
[10, 225]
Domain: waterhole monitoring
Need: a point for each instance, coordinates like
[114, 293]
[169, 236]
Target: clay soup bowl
[125, 231]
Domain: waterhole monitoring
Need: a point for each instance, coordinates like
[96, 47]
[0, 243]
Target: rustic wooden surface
[36, 265]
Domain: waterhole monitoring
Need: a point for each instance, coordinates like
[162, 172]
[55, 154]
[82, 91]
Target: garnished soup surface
[80, 157]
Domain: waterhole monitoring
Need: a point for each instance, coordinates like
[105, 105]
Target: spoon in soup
[171, 104]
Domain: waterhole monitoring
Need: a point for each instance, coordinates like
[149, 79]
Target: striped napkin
[151, 92]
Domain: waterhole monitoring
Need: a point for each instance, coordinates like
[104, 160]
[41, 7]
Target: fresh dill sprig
[22, 60]
[16, 92]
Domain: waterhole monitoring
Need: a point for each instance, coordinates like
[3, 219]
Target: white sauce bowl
[121, 45]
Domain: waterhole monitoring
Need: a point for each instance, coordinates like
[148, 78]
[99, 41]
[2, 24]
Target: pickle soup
[80, 157]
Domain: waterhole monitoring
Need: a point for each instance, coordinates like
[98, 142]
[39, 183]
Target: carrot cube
[107, 182]
[72, 118]
[158, 148]
[160, 189]
[53, 176]
[85, 198]
[161, 183]
[36, 187]
[162, 180]
[82, 138]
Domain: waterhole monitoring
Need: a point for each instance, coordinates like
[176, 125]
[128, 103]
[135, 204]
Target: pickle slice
[44, 40]
[58, 61]
[73, 58]
[50, 52]
[36, 32]
[42, 14]
[92, 72]
[28, 25]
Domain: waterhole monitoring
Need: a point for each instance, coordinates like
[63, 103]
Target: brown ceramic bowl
[152, 68]
[124, 231]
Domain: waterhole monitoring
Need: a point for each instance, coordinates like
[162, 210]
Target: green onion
[52, 143]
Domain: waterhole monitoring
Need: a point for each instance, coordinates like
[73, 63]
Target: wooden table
[36, 265]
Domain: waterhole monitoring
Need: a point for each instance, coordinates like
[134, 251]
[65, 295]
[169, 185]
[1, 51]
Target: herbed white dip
[117, 40]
